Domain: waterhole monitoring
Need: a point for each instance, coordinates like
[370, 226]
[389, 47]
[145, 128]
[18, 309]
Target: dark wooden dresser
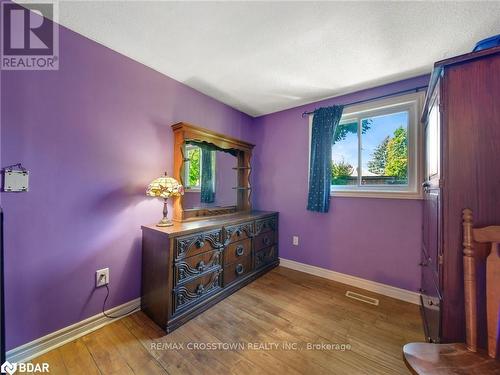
[188, 267]
[462, 155]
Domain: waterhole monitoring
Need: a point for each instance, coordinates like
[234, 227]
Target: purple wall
[92, 134]
[376, 239]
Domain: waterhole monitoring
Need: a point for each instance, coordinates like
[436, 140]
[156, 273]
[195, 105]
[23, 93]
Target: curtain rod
[417, 89]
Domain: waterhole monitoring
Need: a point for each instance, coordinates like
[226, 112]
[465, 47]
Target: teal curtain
[325, 122]
[207, 176]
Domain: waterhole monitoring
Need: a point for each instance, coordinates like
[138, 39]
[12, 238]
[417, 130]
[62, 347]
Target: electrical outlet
[295, 240]
[101, 277]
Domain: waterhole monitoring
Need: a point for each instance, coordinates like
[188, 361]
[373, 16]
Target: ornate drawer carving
[190, 293]
[194, 266]
[264, 240]
[238, 232]
[198, 243]
[264, 225]
[265, 256]
[237, 250]
[233, 272]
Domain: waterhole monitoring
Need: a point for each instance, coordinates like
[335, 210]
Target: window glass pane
[345, 154]
[194, 156]
[384, 152]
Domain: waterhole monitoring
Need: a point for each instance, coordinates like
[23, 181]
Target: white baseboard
[53, 340]
[372, 286]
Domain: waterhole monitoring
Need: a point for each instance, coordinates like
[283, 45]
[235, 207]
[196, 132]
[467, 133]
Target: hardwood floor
[284, 306]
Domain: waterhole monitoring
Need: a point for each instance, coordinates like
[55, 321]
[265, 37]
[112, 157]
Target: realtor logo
[8, 368]
[30, 38]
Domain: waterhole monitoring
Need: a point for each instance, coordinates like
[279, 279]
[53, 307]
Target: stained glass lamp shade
[165, 187]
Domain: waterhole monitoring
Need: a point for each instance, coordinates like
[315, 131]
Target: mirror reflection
[209, 176]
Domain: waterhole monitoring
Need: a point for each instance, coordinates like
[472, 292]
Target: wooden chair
[459, 358]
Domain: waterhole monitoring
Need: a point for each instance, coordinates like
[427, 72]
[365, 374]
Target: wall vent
[362, 298]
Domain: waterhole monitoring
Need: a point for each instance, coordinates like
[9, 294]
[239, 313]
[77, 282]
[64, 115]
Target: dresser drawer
[265, 225]
[265, 256]
[196, 290]
[188, 268]
[238, 232]
[264, 240]
[237, 250]
[194, 244]
[233, 272]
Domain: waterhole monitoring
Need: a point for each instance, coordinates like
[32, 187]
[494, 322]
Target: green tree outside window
[194, 156]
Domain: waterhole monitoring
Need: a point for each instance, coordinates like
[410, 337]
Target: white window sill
[376, 194]
[192, 190]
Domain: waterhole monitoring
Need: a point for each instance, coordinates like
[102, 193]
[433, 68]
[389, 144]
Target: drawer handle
[266, 240]
[201, 266]
[240, 250]
[200, 289]
[239, 269]
[200, 244]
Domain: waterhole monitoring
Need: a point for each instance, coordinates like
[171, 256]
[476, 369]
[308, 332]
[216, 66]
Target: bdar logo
[11, 368]
[8, 368]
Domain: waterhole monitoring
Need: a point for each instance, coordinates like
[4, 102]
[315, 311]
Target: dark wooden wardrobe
[462, 170]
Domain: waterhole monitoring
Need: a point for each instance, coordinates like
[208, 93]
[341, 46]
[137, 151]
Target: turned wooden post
[470, 293]
[491, 235]
[493, 299]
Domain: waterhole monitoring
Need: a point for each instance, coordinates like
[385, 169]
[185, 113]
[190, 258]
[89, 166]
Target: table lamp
[165, 187]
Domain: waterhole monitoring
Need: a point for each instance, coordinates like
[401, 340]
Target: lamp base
[165, 223]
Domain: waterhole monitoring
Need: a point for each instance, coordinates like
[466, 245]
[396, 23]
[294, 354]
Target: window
[193, 167]
[375, 150]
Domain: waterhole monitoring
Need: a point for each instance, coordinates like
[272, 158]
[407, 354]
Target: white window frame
[409, 102]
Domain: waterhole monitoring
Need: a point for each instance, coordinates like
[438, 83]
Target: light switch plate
[15, 181]
[295, 240]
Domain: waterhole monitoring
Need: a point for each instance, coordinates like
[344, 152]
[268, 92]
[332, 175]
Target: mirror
[215, 170]
[210, 176]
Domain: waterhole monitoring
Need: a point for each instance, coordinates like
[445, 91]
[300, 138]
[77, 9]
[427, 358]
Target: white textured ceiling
[262, 57]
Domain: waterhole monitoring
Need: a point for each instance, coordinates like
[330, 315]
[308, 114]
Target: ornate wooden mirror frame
[186, 132]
